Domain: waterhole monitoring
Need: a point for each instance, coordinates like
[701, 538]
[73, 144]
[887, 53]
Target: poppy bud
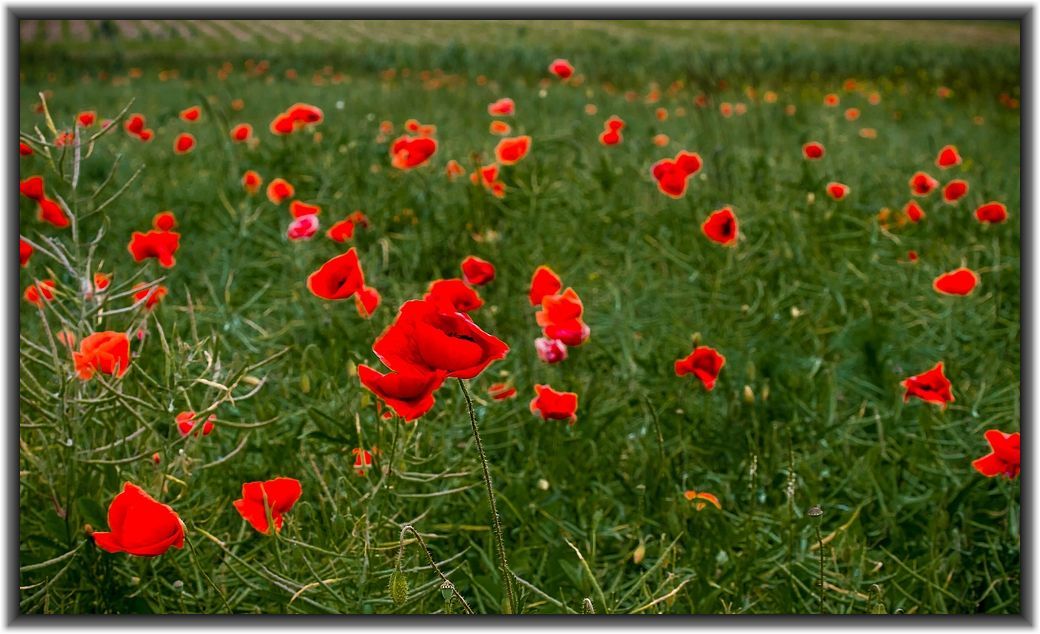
[696, 338]
[749, 395]
[398, 587]
[639, 553]
[543, 484]
[88, 529]
[815, 511]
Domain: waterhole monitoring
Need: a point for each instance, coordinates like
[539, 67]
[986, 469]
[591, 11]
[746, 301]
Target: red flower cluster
[408, 152]
[672, 174]
[135, 126]
[298, 116]
[160, 243]
[48, 210]
[105, 352]
[612, 128]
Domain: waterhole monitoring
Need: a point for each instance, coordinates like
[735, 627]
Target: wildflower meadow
[503, 317]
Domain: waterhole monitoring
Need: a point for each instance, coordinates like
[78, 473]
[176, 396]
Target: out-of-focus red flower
[955, 190]
[705, 363]
[700, 498]
[303, 227]
[499, 128]
[921, 184]
[476, 271]
[101, 282]
[134, 124]
[671, 175]
[139, 525]
[25, 251]
[561, 318]
[191, 114]
[106, 352]
[32, 188]
[410, 395]
[298, 208]
[1005, 456]
[339, 278]
[362, 461]
[453, 294]
[367, 300]
[550, 350]
[86, 118]
[831, 100]
[252, 181]
[408, 152]
[24, 149]
[851, 114]
[948, 157]
[660, 140]
[152, 294]
[341, 231]
[721, 227]
[837, 191]
[991, 212]
[561, 68]
[185, 422]
[278, 190]
[501, 391]
[543, 282]
[960, 281]
[241, 133]
[552, 405]
[275, 497]
[813, 150]
[158, 244]
[488, 177]
[504, 107]
[454, 169]
[39, 292]
[52, 212]
[913, 211]
[184, 143]
[931, 386]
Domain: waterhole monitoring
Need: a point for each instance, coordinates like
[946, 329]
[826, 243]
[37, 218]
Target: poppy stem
[496, 525]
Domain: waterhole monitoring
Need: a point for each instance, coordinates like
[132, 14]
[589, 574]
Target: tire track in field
[128, 28]
[157, 29]
[54, 31]
[233, 27]
[28, 30]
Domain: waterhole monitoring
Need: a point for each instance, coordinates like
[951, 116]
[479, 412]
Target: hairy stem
[408, 528]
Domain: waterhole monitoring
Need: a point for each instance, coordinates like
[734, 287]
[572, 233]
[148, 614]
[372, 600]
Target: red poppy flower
[252, 181]
[504, 107]
[191, 114]
[948, 157]
[509, 151]
[25, 251]
[671, 175]
[24, 149]
[851, 114]
[139, 525]
[424, 130]
[561, 68]
[961, 281]
[282, 125]
[1004, 458]
[161, 245]
[913, 211]
[50, 211]
[553, 405]
[831, 100]
[105, 352]
[550, 350]
[813, 150]
[501, 391]
[362, 460]
[303, 227]
[922, 184]
[134, 124]
[164, 221]
[146, 135]
[992, 212]
[278, 190]
[704, 363]
[912, 256]
[543, 282]
[339, 278]
[477, 272]
[699, 498]
[101, 282]
[454, 294]
[367, 300]
[560, 318]
[721, 227]
[726, 109]
[426, 338]
[610, 137]
[341, 231]
[499, 128]
[305, 114]
[241, 132]
[32, 188]
[275, 496]
[837, 191]
[184, 143]
[410, 395]
[150, 293]
[454, 169]
[955, 190]
[409, 152]
[931, 386]
[185, 422]
[86, 119]
[40, 291]
[298, 208]
[487, 176]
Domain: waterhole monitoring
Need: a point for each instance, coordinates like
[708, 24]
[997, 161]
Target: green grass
[816, 310]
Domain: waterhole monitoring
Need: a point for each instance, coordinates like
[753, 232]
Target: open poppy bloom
[303, 227]
[500, 128]
[298, 208]
[410, 395]
[40, 291]
[955, 190]
[134, 124]
[552, 405]
[184, 143]
[948, 157]
[913, 211]
[186, 422]
[367, 300]
[161, 245]
[105, 352]
[509, 151]
[412, 125]
[151, 295]
[86, 118]
[488, 177]
[991, 212]
[252, 181]
[278, 190]
[721, 227]
[341, 231]
[831, 100]
[339, 278]
[561, 318]
[241, 132]
[504, 107]
[281, 125]
[671, 175]
[305, 114]
[837, 191]
[1004, 458]
[425, 338]
[543, 282]
[101, 282]
[139, 525]
[32, 188]
[24, 149]
[660, 140]
[501, 391]
[146, 135]
[51, 212]
[851, 114]
[610, 137]
[922, 184]
[813, 150]
[550, 350]
[726, 109]
[454, 169]
[931, 387]
[25, 251]
[561, 68]
[454, 294]
[276, 496]
[699, 498]
[362, 460]
[191, 114]
[960, 281]
[477, 272]
[704, 363]
[408, 152]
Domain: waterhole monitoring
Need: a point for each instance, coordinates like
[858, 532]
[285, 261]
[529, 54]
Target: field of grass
[818, 311]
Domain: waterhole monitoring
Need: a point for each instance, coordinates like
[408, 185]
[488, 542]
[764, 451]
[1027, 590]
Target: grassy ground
[817, 310]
